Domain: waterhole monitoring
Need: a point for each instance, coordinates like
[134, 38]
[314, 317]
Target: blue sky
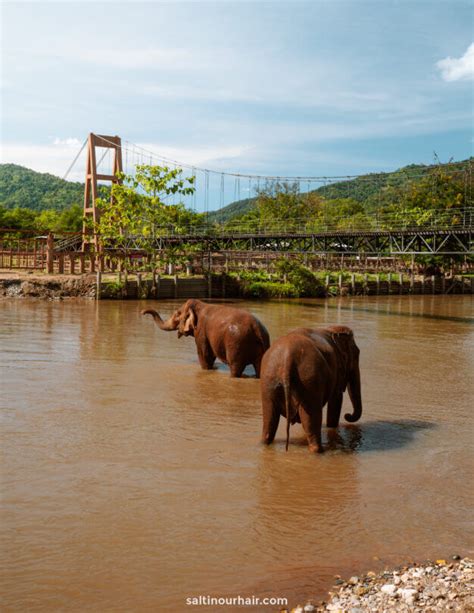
[319, 88]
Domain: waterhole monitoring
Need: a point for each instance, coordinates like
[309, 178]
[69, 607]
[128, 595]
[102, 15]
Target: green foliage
[236, 209]
[413, 195]
[19, 218]
[295, 280]
[24, 188]
[248, 221]
[300, 277]
[71, 219]
[138, 208]
[112, 289]
[269, 289]
[282, 204]
[68, 220]
[434, 198]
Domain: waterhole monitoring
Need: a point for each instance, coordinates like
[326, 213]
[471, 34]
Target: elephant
[303, 371]
[233, 335]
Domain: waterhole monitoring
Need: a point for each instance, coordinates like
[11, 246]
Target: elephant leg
[206, 356]
[311, 422]
[256, 366]
[236, 369]
[334, 410]
[235, 362]
[271, 415]
[258, 363]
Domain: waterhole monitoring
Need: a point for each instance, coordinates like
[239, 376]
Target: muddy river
[132, 480]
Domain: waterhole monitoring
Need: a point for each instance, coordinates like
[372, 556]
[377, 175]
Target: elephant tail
[262, 335]
[286, 391]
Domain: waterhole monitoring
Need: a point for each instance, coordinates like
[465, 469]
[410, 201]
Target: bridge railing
[453, 218]
[31, 245]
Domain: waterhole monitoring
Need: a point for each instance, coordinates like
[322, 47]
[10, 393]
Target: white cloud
[205, 156]
[458, 69]
[68, 142]
[54, 157]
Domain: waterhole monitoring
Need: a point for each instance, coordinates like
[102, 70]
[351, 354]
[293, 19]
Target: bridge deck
[442, 241]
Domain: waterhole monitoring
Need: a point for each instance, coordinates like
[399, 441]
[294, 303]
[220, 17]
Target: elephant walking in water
[233, 335]
[303, 371]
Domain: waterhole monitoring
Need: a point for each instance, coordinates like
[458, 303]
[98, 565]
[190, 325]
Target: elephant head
[184, 319]
[348, 355]
[188, 319]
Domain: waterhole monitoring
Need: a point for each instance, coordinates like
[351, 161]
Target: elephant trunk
[163, 325]
[355, 395]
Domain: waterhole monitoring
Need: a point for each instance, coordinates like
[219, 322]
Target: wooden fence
[224, 286]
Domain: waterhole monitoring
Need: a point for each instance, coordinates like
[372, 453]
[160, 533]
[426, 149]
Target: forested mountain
[415, 195]
[364, 189]
[22, 187]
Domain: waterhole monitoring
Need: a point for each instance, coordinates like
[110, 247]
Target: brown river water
[131, 479]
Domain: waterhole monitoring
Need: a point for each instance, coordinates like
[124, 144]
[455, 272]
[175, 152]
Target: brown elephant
[233, 335]
[303, 371]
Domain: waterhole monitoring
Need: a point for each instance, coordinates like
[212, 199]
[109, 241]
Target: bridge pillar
[91, 212]
[49, 253]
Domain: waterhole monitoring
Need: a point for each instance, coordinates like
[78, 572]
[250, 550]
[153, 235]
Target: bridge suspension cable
[143, 153]
[210, 184]
[72, 164]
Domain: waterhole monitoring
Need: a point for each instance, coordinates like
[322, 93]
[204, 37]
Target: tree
[283, 205]
[18, 218]
[138, 213]
[437, 198]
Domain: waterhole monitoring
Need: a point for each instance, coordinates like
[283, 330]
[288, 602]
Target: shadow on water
[371, 436]
[376, 435]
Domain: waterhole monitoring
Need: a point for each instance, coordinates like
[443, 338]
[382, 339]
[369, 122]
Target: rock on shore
[435, 587]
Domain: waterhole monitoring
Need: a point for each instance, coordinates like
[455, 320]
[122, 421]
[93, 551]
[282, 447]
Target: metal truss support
[91, 211]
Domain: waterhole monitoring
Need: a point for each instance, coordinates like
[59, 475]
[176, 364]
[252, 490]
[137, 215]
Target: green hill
[22, 187]
[234, 209]
[364, 189]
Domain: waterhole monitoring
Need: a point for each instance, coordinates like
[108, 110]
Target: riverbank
[28, 284]
[33, 284]
[443, 585]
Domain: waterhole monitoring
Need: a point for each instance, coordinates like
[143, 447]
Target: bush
[305, 282]
[269, 289]
[112, 289]
[298, 281]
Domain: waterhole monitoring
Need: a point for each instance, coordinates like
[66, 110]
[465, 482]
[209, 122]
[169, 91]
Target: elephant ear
[190, 321]
[343, 338]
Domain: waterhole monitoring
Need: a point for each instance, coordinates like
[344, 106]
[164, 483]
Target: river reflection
[132, 479]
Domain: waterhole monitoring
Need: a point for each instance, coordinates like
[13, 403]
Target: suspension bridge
[102, 159]
[449, 233]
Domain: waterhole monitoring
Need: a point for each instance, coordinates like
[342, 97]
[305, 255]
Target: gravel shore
[443, 585]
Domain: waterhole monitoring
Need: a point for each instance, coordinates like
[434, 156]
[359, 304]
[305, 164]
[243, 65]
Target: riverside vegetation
[415, 195]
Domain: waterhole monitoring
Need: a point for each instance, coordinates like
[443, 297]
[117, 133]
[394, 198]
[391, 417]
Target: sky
[325, 87]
